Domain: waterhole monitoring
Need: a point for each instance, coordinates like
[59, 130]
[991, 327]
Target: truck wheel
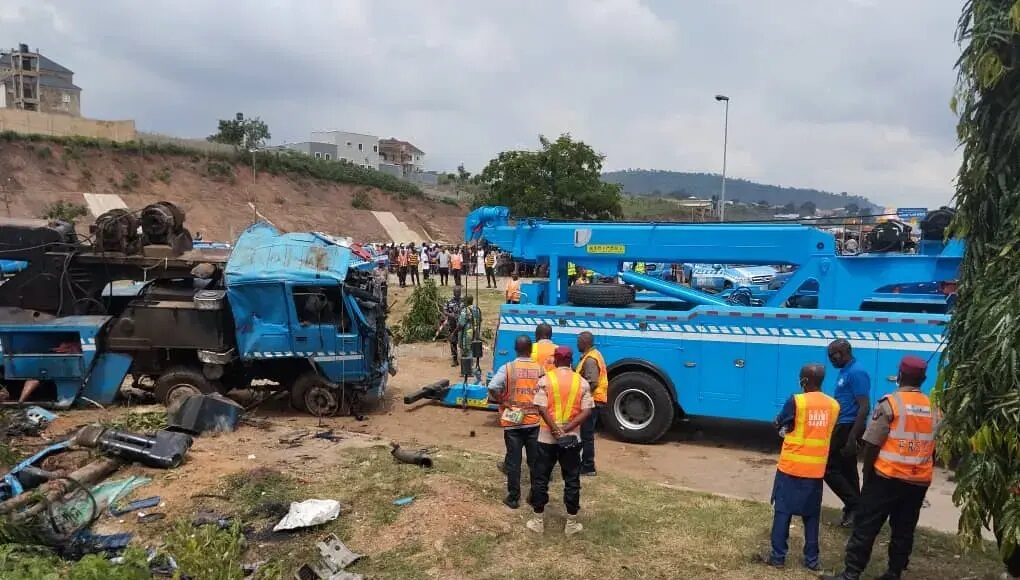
[600, 294]
[314, 395]
[639, 409]
[179, 383]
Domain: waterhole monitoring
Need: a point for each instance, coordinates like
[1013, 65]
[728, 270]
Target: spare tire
[600, 294]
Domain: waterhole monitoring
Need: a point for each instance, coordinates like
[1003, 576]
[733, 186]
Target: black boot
[890, 575]
[848, 519]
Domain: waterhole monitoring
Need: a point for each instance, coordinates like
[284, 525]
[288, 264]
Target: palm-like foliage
[979, 388]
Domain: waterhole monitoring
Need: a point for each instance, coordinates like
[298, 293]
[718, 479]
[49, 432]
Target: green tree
[790, 208]
[808, 208]
[851, 209]
[463, 175]
[562, 180]
[978, 388]
[241, 132]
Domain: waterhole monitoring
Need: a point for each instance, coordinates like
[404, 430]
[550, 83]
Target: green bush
[130, 181]
[423, 313]
[361, 200]
[219, 170]
[64, 211]
[163, 174]
[44, 152]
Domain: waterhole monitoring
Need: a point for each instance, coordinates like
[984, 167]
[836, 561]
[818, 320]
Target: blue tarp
[264, 254]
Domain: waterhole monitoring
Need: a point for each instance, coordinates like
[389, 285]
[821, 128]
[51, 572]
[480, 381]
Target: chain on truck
[288, 311]
[673, 351]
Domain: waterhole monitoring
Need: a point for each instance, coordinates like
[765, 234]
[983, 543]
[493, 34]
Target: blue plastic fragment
[403, 501]
[136, 505]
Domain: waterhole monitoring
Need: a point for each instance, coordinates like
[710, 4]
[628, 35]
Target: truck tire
[312, 394]
[639, 409]
[600, 294]
[179, 383]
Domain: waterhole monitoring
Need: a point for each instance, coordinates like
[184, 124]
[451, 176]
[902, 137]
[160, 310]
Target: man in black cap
[899, 449]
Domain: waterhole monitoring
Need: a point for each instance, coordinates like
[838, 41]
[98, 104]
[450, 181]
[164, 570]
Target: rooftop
[45, 64]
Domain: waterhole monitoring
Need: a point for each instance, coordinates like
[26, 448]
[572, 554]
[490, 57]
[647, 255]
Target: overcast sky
[842, 95]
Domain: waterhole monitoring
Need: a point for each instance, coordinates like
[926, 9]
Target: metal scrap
[335, 556]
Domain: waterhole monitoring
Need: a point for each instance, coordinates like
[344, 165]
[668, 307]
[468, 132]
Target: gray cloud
[838, 94]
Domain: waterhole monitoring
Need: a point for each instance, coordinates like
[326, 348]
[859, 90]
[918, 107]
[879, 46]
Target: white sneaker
[572, 526]
[536, 524]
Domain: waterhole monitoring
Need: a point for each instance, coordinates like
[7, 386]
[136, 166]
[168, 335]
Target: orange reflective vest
[542, 353]
[490, 259]
[564, 394]
[413, 259]
[401, 259]
[456, 261]
[600, 390]
[806, 448]
[513, 290]
[907, 451]
[516, 408]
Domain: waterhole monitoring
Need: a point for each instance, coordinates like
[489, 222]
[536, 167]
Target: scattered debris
[206, 413]
[419, 458]
[135, 505]
[147, 518]
[335, 558]
[27, 422]
[310, 512]
[165, 450]
[403, 501]
[328, 435]
[85, 542]
[143, 419]
[207, 517]
[293, 437]
[29, 474]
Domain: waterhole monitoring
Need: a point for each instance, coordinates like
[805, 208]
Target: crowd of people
[415, 263]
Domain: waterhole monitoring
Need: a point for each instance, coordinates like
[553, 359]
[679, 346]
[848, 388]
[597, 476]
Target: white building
[355, 148]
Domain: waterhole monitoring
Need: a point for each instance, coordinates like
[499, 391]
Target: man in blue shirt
[853, 388]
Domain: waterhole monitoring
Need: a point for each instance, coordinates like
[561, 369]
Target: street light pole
[726, 132]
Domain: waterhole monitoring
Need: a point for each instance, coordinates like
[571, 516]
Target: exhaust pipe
[431, 391]
[419, 458]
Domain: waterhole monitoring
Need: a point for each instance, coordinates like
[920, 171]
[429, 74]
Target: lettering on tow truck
[606, 248]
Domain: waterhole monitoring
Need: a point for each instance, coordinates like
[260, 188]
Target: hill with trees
[706, 185]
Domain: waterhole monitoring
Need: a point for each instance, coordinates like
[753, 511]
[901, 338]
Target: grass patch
[361, 200]
[146, 422]
[19, 562]
[64, 211]
[251, 490]
[163, 174]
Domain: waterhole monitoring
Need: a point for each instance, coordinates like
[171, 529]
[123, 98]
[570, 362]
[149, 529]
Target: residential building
[325, 151]
[407, 156]
[356, 148]
[32, 82]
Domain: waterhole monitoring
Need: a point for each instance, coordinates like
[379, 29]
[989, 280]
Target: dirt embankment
[215, 194]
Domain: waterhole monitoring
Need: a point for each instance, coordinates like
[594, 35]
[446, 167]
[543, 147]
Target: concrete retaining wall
[32, 122]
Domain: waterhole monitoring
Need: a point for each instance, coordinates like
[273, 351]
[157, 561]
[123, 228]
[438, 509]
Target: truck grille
[761, 280]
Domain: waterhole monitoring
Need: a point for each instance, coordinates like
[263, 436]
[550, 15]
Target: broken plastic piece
[135, 505]
[310, 512]
[403, 501]
[419, 458]
[203, 413]
[335, 557]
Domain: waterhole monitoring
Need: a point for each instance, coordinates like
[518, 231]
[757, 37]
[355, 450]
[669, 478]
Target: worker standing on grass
[469, 327]
[451, 317]
[402, 267]
[514, 386]
[853, 393]
[456, 265]
[513, 289]
[490, 269]
[542, 350]
[564, 400]
[593, 368]
[412, 265]
[425, 262]
[899, 450]
[444, 266]
[806, 423]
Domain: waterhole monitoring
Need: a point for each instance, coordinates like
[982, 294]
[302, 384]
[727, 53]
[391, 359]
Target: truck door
[349, 340]
[317, 312]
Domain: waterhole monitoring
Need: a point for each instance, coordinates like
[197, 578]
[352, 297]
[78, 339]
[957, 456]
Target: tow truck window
[316, 305]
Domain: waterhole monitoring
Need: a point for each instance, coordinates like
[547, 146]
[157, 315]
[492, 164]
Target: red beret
[563, 353]
[913, 366]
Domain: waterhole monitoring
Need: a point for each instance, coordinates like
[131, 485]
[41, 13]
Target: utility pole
[726, 131]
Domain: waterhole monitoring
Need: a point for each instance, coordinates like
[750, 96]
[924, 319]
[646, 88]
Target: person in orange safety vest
[564, 400]
[898, 462]
[593, 368]
[513, 289]
[543, 348]
[805, 423]
[513, 386]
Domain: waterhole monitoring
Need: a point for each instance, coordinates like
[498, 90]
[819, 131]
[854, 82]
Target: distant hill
[705, 185]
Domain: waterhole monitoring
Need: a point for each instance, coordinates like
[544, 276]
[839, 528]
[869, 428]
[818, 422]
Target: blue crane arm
[588, 243]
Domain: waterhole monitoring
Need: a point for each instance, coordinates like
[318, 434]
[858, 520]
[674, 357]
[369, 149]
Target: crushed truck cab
[300, 312]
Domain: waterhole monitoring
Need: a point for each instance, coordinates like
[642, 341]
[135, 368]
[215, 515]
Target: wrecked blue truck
[282, 311]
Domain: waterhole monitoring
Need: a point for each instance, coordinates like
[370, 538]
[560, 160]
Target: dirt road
[734, 459]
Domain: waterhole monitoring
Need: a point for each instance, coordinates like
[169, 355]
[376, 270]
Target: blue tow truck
[674, 351]
[290, 311]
